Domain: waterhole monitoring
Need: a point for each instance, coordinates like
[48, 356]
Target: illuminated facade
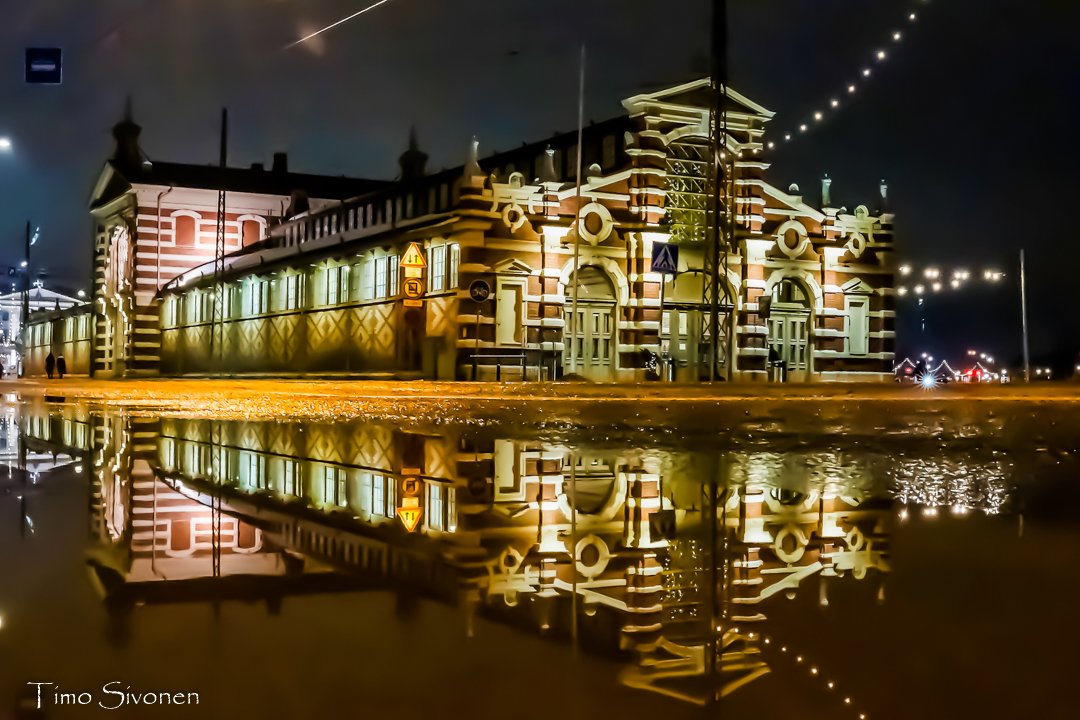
[43, 301]
[320, 288]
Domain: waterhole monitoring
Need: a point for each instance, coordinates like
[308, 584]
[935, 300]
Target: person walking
[50, 363]
[61, 366]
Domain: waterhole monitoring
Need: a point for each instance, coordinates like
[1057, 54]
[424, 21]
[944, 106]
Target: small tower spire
[547, 166]
[413, 161]
[127, 152]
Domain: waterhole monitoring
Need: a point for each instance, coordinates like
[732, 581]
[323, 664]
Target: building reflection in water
[668, 559]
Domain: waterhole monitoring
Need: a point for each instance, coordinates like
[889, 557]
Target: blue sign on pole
[44, 66]
[665, 258]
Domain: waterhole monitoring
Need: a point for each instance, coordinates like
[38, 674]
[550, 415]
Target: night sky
[971, 119]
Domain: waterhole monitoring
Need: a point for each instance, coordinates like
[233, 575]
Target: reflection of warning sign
[414, 287]
[413, 257]
[410, 513]
[410, 487]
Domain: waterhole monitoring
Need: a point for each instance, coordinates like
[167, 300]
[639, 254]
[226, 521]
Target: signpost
[413, 263]
[479, 291]
[414, 287]
[410, 511]
[44, 66]
[665, 260]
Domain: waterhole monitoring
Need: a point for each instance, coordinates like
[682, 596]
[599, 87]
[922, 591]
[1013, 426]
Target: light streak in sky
[334, 25]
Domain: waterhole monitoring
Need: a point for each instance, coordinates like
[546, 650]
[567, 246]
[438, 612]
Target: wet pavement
[491, 557]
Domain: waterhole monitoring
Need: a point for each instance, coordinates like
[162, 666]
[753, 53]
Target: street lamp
[5, 144]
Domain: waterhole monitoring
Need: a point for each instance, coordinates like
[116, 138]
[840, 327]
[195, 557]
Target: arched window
[252, 232]
[184, 230]
[789, 292]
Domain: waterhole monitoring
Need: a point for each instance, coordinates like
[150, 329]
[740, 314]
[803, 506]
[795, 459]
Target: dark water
[769, 564]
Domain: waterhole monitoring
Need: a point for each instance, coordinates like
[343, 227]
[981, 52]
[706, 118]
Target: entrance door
[593, 340]
[789, 339]
[683, 330]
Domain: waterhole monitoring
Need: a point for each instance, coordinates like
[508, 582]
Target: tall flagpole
[1024, 318]
[577, 215]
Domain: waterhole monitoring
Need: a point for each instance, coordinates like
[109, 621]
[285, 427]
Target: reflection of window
[334, 486]
[441, 508]
[255, 469]
[288, 478]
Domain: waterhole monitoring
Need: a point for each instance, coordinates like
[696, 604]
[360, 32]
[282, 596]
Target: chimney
[281, 163]
[127, 153]
[413, 162]
[883, 188]
[826, 191]
[258, 167]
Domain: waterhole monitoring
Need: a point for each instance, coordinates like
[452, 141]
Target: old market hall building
[313, 280]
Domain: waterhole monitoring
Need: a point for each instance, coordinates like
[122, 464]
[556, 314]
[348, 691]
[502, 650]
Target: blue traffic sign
[665, 258]
[44, 66]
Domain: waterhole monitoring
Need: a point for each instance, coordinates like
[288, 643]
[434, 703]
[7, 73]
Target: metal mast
[216, 329]
[720, 218]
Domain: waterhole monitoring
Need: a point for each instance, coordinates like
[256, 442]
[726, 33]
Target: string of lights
[814, 672]
[834, 103]
[932, 279]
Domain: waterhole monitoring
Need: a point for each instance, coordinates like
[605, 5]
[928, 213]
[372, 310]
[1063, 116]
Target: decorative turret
[127, 153]
[547, 167]
[472, 165]
[883, 188]
[826, 191]
[413, 161]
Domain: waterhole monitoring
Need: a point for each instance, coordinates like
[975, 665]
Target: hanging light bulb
[851, 88]
[819, 116]
[802, 128]
[866, 72]
[896, 36]
[880, 55]
[834, 102]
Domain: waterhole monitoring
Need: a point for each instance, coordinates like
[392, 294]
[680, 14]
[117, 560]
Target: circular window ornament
[856, 245]
[861, 212]
[592, 556]
[789, 545]
[513, 216]
[594, 223]
[792, 240]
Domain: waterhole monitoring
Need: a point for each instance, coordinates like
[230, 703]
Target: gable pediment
[513, 266]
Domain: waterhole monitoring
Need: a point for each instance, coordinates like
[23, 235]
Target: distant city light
[905, 269]
[936, 286]
[919, 289]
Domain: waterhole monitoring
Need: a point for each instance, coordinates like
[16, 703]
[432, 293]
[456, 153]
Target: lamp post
[25, 329]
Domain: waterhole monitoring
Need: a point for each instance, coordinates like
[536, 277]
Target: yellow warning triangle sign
[413, 257]
[410, 517]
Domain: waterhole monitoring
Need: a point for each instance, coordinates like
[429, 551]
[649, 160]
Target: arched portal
[592, 340]
[789, 328]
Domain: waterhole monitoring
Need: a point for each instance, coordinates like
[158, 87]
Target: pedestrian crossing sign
[665, 258]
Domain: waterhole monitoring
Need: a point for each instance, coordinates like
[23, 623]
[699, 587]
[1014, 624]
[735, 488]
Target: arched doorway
[789, 328]
[592, 339]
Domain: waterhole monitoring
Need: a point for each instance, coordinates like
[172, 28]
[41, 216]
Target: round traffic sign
[479, 290]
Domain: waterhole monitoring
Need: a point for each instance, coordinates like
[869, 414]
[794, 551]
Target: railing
[381, 209]
[519, 357]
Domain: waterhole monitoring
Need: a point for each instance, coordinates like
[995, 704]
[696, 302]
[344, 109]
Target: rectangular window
[380, 278]
[437, 269]
[455, 260]
[858, 325]
[392, 286]
[330, 279]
